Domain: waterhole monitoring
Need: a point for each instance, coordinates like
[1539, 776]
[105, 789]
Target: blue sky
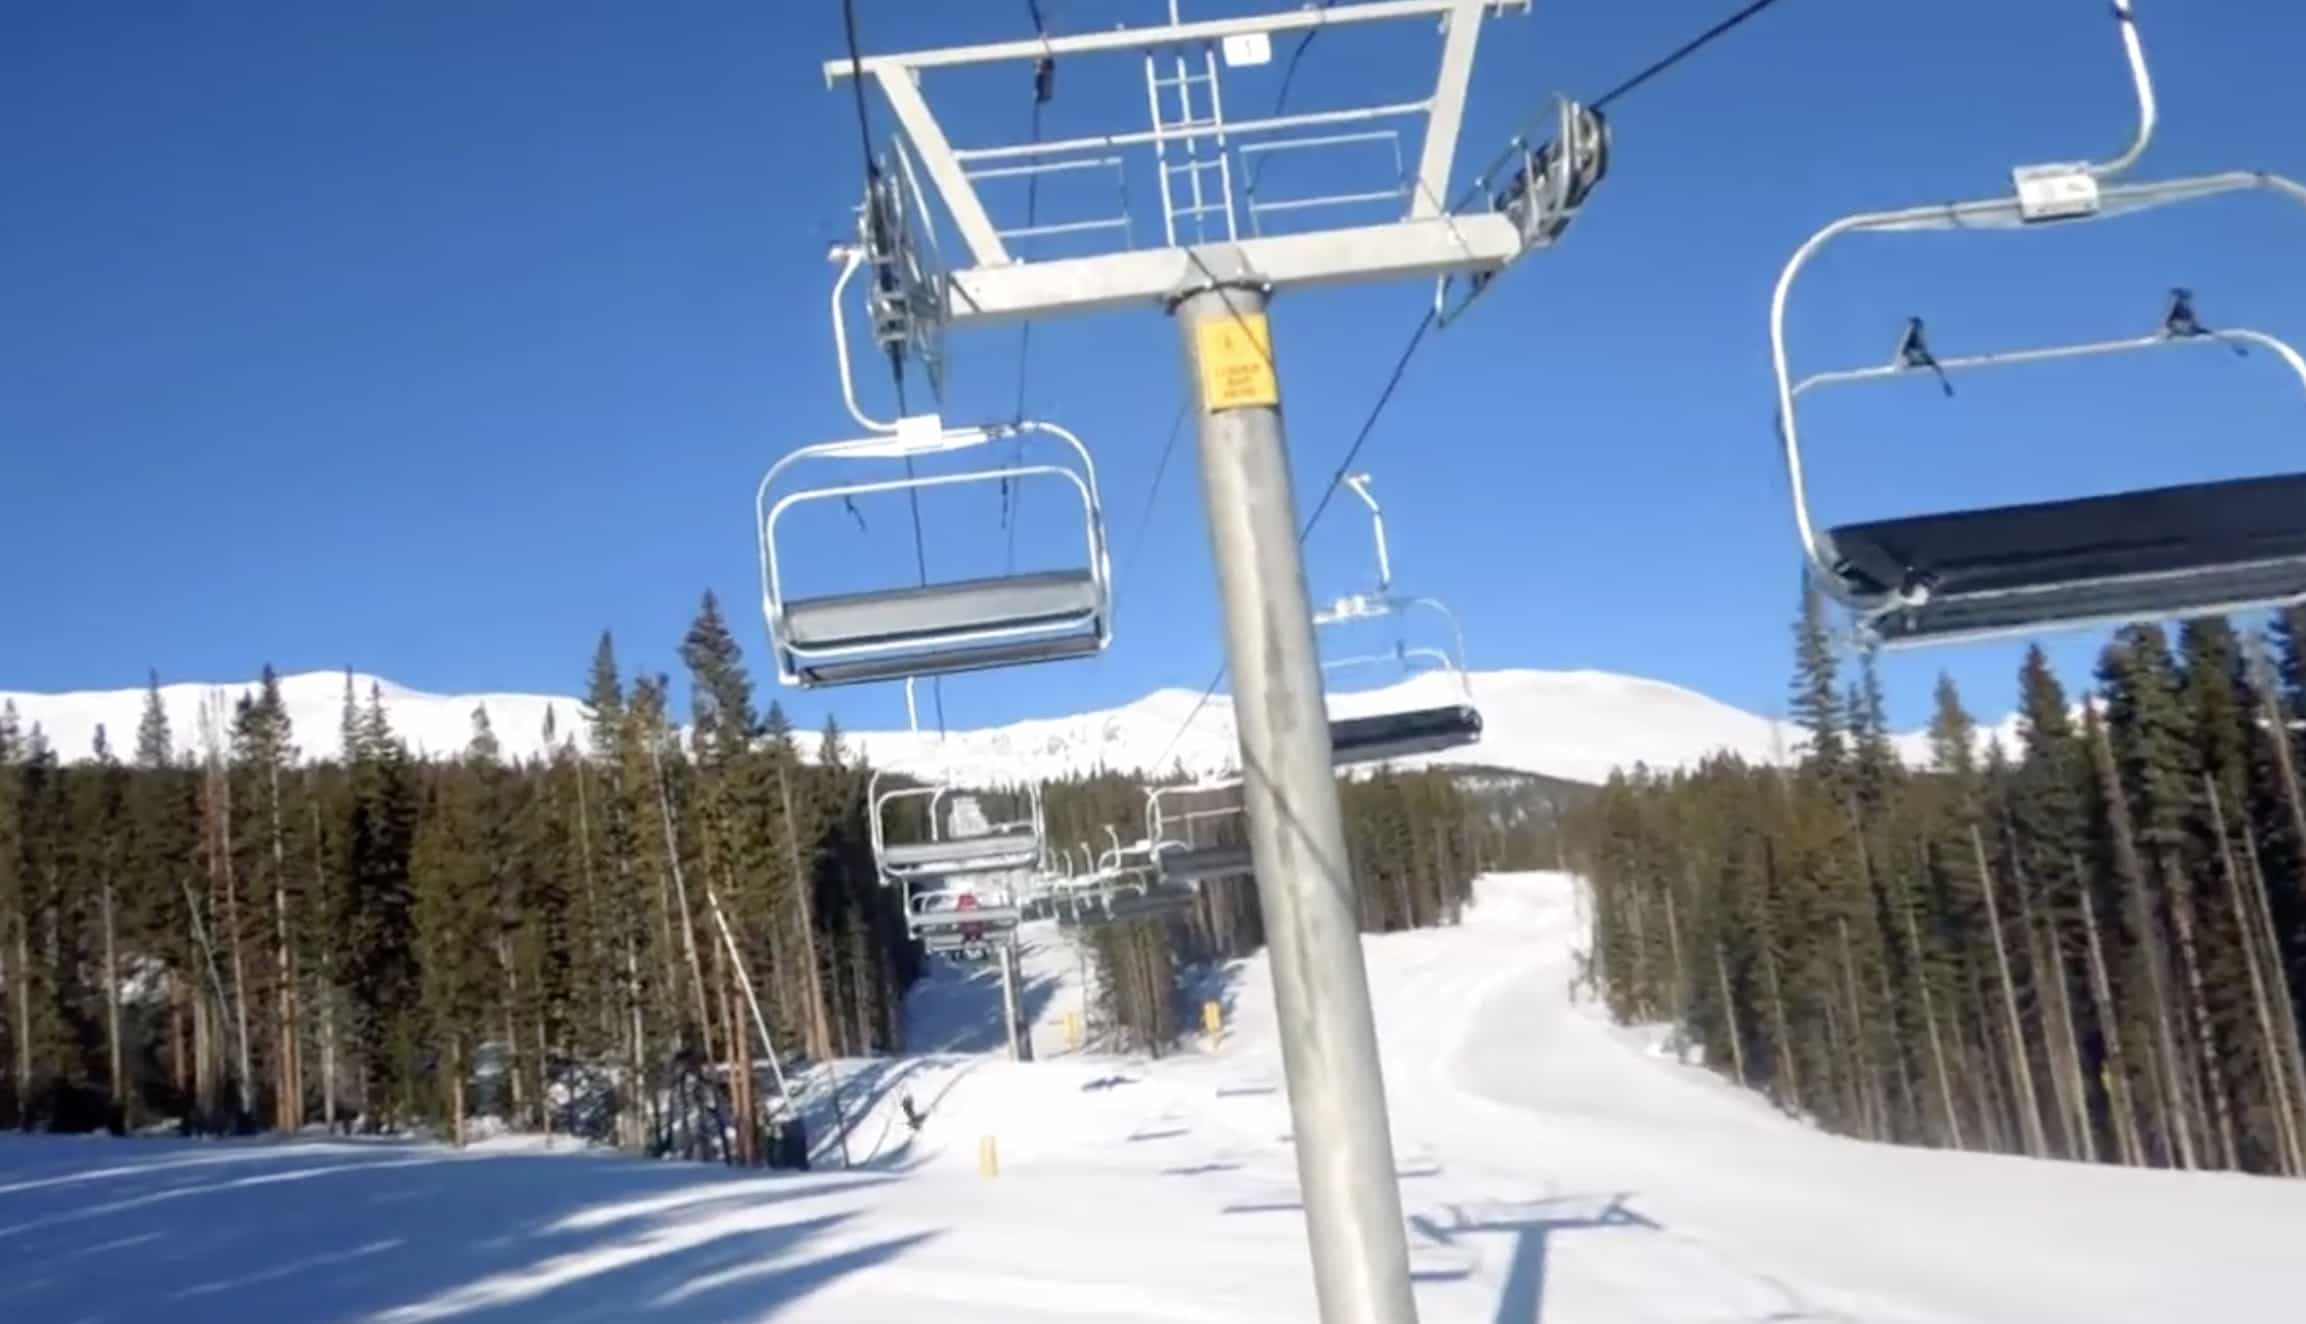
[432, 338]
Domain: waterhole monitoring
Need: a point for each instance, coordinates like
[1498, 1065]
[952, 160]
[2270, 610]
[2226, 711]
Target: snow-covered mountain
[1576, 725]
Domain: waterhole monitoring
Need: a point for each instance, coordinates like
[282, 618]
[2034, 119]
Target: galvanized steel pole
[1296, 829]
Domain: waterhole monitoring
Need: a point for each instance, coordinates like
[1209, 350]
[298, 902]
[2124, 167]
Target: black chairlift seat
[962, 855]
[1399, 735]
[2163, 552]
[1184, 864]
[914, 630]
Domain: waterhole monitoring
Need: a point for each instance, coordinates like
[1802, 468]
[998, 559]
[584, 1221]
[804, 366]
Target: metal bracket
[916, 295]
[1550, 185]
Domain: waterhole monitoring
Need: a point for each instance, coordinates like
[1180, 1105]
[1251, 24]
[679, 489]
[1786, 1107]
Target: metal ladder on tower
[1188, 131]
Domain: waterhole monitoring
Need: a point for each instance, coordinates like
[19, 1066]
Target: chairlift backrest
[1401, 734]
[1177, 849]
[2160, 553]
[1382, 737]
[1006, 848]
[2177, 552]
[937, 628]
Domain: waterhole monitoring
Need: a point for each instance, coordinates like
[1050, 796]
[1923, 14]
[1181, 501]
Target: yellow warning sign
[1236, 354]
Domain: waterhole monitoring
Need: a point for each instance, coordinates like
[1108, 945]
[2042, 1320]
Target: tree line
[2090, 945]
[216, 930]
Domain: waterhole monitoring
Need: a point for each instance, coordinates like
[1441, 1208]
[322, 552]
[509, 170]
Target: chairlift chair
[1136, 886]
[1381, 737]
[952, 882]
[2195, 549]
[1178, 853]
[938, 628]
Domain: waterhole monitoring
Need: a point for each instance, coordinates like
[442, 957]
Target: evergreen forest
[204, 931]
[2086, 942]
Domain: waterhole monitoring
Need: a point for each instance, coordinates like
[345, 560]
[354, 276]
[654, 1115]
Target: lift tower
[1225, 253]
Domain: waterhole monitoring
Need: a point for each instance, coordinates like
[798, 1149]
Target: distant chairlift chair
[1174, 832]
[1381, 737]
[1124, 885]
[2163, 553]
[954, 885]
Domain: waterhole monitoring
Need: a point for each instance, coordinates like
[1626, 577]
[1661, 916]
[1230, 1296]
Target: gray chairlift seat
[911, 629]
[988, 919]
[941, 628]
[1385, 736]
[957, 856]
[2171, 551]
[1154, 901]
[1192, 864]
[967, 948]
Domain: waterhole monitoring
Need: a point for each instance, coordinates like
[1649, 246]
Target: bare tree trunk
[288, 1109]
[456, 1088]
[2277, 1082]
[1906, 1097]
[179, 1069]
[2285, 1009]
[20, 993]
[1786, 1054]
[1729, 1009]
[1882, 968]
[681, 892]
[2066, 1052]
[1983, 1070]
[221, 874]
[2021, 1071]
[1640, 982]
[1673, 948]
[2133, 873]
[516, 1081]
[203, 1062]
[2285, 762]
[804, 887]
[114, 1051]
[2118, 1098]
[738, 1073]
[1930, 1018]
[214, 1028]
[596, 938]
[1867, 1083]
[325, 991]
[2181, 891]
[642, 1090]
[543, 1083]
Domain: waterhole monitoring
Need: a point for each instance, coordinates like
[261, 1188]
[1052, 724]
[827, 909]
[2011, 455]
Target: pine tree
[381, 977]
[2147, 724]
[15, 917]
[1816, 703]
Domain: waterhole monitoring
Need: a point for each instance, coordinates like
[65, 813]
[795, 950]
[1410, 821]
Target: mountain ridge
[1577, 725]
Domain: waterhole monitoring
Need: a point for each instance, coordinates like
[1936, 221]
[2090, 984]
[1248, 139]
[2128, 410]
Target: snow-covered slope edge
[1576, 725]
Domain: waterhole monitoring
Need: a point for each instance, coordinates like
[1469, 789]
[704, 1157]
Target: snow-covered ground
[1554, 1168]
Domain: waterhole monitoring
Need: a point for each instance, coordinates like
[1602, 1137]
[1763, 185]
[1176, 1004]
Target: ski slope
[1554, 1168]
